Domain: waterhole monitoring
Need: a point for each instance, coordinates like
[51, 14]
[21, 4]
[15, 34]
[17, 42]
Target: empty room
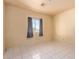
[39, 29]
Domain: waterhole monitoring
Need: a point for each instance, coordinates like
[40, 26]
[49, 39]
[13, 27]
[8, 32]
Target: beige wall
[60, 28]
[4, 28]
[16, 27]
[64, 26]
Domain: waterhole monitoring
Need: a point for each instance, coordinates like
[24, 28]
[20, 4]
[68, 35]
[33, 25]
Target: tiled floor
[50, 50]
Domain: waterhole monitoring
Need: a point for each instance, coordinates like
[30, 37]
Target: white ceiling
[51, 7]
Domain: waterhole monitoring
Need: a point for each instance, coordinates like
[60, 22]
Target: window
[35, 25]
